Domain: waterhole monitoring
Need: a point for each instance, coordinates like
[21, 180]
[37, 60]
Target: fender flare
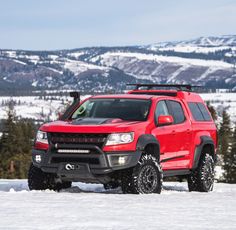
[147, 139]
[205, 140]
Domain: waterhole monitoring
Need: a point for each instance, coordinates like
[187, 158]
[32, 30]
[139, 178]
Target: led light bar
[73, 151]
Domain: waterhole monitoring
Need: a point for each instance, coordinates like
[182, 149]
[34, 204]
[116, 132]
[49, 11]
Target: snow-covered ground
[31, 107]
[34, 107]
[90, 207]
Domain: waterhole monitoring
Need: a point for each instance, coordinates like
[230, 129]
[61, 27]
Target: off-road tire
[111, 185]
[202, 179]
[146, 177]
[39, 180]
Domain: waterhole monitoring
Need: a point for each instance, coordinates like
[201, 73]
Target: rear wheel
[202, 179]
[39, 180]
[145, 177]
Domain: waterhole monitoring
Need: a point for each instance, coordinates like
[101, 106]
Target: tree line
[226, 145]
[15, 145]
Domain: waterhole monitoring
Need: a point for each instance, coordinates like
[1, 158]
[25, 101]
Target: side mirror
[165, 120]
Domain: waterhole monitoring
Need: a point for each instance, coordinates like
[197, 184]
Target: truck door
[164, 134]
[181, 134]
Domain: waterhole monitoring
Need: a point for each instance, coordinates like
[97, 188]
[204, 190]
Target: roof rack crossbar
[183, 87]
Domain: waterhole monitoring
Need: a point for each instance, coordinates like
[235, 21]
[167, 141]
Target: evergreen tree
[7, 140]
[15, 146]
[229, 165]
[212, 111]
[224, 134]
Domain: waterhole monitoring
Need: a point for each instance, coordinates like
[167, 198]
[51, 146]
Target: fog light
[122, 160]
[38, 158]
[119, 160]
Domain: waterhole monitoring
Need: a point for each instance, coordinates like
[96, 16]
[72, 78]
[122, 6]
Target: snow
[87, 206]
[78, 67]
[77, 54]
[20, 62]
[32, 58]
[191, 49]
[53, 57]
[177, 72]
[203, 45]
[55, 70]
[10, 53]
[108, 59]
[32, 107]
[222, 101]
[35, 108]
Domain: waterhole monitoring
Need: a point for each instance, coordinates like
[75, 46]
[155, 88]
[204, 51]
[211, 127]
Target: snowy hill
[87, 206]
[209, 61]
[199, 45]
[171, 69]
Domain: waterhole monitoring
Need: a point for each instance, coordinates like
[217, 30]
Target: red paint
[176, 140]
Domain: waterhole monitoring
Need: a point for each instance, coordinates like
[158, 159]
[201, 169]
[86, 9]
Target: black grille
[75, 159]
[75, 138]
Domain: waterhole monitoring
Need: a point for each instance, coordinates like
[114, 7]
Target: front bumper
[95, 166]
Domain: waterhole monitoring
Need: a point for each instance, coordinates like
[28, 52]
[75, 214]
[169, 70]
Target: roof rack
[180, 87]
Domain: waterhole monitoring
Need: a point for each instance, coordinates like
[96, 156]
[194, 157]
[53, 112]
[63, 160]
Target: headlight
[120, 138]
[42, 137]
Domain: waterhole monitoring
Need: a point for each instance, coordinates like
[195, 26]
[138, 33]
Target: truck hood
[92, 125]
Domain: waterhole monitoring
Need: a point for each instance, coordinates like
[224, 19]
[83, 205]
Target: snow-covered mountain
[208, 61]
[199, 45]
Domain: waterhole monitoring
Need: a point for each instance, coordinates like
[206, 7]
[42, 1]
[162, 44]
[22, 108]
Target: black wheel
[111, 185]
[202, 179]
[145, 177]
[39, 180]
[62, 185]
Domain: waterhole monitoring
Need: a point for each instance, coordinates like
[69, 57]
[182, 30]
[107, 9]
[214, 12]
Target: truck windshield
[125, 109]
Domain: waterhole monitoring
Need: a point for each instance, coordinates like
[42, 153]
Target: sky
[65, 24]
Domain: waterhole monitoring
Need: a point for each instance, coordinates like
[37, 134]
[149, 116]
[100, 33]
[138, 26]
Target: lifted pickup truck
[131, 140]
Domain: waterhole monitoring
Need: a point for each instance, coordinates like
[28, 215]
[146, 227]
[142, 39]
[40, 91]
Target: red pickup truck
[131, 140]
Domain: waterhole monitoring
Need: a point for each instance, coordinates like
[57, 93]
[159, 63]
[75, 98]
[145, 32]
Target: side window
[176, 111]
[161, 109]
[197, 115]
[199, 111]
[204, 111]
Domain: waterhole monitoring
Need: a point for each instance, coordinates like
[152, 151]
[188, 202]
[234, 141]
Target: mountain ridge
[209, 61]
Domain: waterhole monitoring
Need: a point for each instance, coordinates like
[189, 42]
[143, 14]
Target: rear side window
[176, 111]
[204, 111]
[197, 114]
[199, 111]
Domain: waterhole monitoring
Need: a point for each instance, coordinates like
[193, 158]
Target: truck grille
[77, 159]
[75, 138]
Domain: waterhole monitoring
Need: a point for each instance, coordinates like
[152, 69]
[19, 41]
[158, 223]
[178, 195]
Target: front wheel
[145, 177]
[111, 185]
[39, 180]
